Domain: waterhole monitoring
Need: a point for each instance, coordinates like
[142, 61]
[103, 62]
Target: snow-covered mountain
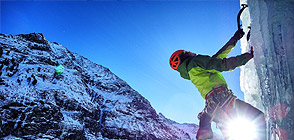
[271, 73]
[86, 101]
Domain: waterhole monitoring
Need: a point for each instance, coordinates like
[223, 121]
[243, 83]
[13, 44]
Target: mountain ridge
[86, 101]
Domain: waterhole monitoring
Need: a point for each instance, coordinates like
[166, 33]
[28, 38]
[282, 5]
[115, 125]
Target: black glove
[239, 34]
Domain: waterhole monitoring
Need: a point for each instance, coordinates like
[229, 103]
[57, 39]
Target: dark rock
[74, 135]
[35, 37]
[1, 51]
[34, 82]
[2, 97]
[2, 82]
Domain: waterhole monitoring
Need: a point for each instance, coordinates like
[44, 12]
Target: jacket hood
[182, 69]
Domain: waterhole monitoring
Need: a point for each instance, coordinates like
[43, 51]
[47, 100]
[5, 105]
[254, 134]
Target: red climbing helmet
[174, 60]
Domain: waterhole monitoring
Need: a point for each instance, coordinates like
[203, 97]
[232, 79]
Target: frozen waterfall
[268, 80]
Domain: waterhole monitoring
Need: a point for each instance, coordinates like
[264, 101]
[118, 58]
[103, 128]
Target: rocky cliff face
[86, 101]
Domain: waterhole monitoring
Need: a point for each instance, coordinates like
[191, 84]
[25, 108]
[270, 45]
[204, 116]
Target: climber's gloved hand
[238, 34]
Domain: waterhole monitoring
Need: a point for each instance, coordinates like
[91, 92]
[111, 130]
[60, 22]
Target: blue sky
[135, 39]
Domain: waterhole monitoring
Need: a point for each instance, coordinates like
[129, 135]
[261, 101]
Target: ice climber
[221, 105]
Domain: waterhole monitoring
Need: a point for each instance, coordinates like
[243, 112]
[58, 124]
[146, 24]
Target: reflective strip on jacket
[205, 71]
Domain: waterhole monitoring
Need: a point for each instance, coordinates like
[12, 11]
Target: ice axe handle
[239, 14]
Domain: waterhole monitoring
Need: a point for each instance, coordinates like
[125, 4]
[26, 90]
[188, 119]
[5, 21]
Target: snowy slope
[271, 74]
[87, 101]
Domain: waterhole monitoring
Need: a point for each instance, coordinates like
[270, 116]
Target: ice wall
[268, 80]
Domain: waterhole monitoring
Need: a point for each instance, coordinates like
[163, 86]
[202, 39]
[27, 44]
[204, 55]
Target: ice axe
[239, 14]
[240, 25]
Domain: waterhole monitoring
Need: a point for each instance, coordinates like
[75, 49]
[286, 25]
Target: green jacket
[205, 71]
